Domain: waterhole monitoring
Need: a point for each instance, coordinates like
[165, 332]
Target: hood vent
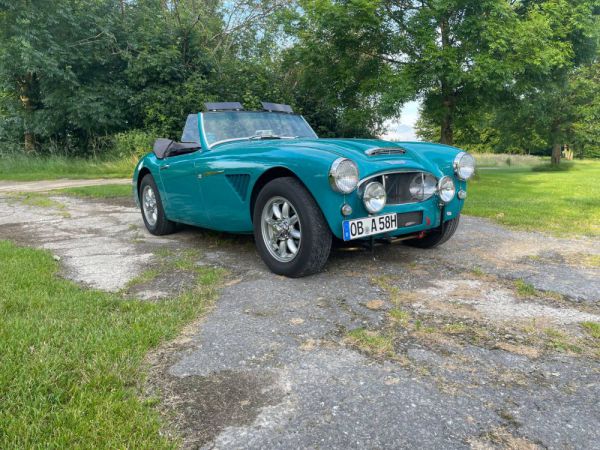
[385, 151]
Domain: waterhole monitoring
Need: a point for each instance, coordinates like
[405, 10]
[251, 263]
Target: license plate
[357, 228]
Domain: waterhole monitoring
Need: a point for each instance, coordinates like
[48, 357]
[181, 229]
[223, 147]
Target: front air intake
[385, 151]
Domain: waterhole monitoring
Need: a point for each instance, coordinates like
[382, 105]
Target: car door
[180, 178]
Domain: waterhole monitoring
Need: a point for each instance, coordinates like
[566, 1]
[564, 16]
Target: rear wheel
[153, 212]
[437, 236]
[290, 231]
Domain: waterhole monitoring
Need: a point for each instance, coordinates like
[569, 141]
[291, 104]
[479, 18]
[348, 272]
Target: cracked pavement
[474, 364]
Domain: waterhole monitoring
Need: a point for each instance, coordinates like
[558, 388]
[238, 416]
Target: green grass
[27, 168]
[562, 202]
[371, 341]
[592, 328]
[71, 358]
[524, 289]
[104, 191]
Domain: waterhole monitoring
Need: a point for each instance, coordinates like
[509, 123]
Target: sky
[402, 129]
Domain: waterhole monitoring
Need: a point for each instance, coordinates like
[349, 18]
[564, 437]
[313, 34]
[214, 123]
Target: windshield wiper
[265, 136]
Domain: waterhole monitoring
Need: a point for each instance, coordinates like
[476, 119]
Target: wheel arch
[142, 173]
[268, 176]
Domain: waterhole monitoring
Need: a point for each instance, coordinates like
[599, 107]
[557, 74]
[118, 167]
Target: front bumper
[433, 212]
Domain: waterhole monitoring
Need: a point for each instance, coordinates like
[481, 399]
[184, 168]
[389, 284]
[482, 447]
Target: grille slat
[397, 186]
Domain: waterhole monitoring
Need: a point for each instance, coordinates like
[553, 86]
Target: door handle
[165, 167]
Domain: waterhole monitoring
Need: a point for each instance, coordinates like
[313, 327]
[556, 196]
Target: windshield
[234, 125]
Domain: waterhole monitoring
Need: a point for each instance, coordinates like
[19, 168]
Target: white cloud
[403, 129]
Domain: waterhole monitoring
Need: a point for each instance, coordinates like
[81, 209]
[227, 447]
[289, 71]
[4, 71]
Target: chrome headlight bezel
[446, 189]
[374, 197]
[464, 165]
[335, 177]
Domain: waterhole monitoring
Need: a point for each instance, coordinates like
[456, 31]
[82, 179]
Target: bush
[133, 143]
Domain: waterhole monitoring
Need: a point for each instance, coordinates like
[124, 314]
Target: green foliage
[80, 77]
[72, 358]
[133, 143]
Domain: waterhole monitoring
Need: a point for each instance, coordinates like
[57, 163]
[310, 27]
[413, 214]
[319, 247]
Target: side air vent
[385, 151]
[239, 182]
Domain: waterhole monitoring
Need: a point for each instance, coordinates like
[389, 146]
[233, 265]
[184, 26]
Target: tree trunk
[556, 150]
[29, 91]
[556, 142]
[446, 132]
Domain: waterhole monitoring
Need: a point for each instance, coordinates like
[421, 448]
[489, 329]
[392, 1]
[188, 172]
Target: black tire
[162, 225]
[316, 236]
[437, 236]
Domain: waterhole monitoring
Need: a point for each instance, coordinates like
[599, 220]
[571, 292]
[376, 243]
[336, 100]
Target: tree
[59, 69]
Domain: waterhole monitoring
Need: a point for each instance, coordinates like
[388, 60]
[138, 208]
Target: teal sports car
[267, 173]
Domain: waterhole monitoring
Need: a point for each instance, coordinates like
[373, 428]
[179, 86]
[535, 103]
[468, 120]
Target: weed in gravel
[524, 289]
[592, 328]
[38, 200]
[501, 438]
[371, 342]
[560, 341]
[399, 316]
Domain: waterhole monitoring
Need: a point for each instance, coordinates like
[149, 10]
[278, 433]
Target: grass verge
[562, 202]
[72, 358]
[30, 168]
[104, 191]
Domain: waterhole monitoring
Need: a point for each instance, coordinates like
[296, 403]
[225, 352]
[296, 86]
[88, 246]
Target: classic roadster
[266, 172]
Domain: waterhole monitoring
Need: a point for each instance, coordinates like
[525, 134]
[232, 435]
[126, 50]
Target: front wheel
[153, 212]
[437, 236]
[290, 231]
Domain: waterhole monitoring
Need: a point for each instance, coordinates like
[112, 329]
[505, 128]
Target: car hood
[427, 156]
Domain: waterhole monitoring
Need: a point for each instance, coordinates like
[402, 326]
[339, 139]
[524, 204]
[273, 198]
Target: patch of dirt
[205, 406]
[163, 285]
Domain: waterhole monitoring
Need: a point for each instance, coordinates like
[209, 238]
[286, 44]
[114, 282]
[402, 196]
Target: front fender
[148, 163]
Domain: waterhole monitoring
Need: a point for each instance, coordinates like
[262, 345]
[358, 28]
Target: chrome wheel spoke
[291, 245]
[281, 230]
[282, 249]
[149, 205]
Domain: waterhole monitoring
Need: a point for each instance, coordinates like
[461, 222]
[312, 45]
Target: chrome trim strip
[389, 172]
[212, 172]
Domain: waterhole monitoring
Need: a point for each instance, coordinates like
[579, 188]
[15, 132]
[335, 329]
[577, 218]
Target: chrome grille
[397, 186]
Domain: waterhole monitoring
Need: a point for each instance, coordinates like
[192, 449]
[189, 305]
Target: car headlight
[464, 165]
[446, 189]
[374, 197]
[343, 175]
[422, 186]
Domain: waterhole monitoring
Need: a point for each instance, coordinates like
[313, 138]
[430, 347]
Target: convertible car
[266, 172]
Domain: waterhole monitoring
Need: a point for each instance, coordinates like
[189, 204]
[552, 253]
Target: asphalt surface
[475, 363]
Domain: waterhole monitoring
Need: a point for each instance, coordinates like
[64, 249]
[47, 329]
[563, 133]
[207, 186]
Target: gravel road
[477, 344]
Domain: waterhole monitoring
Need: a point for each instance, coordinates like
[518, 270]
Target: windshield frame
[208, 146]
